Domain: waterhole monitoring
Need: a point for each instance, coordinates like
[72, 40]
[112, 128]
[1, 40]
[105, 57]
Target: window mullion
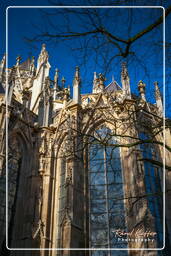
[107, 204]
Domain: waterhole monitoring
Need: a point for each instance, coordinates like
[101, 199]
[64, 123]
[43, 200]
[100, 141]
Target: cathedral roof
[112, 87]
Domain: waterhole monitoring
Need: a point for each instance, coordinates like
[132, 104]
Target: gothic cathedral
[85, 175]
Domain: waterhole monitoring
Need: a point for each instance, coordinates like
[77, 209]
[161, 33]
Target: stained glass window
[106, 195]
[153, 183]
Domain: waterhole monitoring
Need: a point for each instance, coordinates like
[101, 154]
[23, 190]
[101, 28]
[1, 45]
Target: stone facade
[47, 169]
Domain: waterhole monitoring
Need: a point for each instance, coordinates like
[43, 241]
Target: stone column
[73, 221]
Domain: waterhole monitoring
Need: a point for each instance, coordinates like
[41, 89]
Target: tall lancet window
[106, 194]
[153, 184]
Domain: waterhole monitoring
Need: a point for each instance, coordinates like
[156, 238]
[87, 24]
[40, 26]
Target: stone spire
[69, 89]
[2, 67]
[44, 109]
[98, 83]
[56, 77]
[32, 67]
[65, 96]
[101, 81]
[42, 72]
[158, 97]
[43, 57]
[76, 86]
[125, 81]
[95, 82]
[141, 88]
[18, 59]
[63, 81]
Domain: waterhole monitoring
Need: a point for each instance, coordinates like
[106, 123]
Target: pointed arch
[105, 191]
[19, 170]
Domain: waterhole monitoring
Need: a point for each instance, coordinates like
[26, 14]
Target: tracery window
[106, 196]
[153, 184]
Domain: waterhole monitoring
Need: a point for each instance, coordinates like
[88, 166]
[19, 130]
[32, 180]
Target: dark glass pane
[112, 153]
[116, 221]
[116, 206]
[97, 166]
[121, 253]
[99, 236]
[97, 192]
[113, 164]
[98, 221]
[100, 245]
[115, 191]
[96, 152]
[114, 177]
[103, 133]
[98, 205]
[99, 253]
[97, 178]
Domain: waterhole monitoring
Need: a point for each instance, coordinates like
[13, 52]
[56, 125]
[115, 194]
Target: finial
[125, 81]
[65, 96]
[124, 70]
[113, 78]
[2, 63]
[63, 81]
[124, 65]
[4, 57]
[18, 59]
[157, 91]
[77, 73]
[2, 68]
[101, 77]
[76, 86]
[56, 76]
[101, 81]
[141, 85]
[158, 97]
[95, 82]
[43, 46]
[32, 67]
[141, 88]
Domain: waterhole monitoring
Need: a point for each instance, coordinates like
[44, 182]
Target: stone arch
[19, 170]
[60, 141]
[18, 155]
[97, 125]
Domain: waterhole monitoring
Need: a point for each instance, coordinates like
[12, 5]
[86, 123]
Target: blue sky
[146, 65]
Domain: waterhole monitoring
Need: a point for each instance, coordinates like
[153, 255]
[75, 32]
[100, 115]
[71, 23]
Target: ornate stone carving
[69, 172]
[38, 225]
